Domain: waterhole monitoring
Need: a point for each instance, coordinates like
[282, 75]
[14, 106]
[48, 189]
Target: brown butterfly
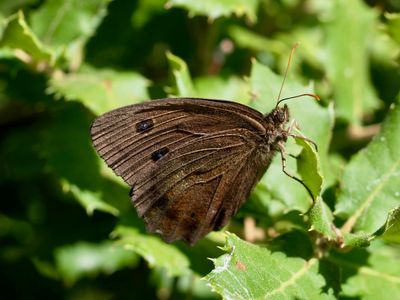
[191, 162]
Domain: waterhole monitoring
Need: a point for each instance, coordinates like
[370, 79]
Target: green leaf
[145, 11]
[100, 90]
[8, 7]
[232, 88]
[88, 259]
[215, 9]
[153, 250]
[24, 44]
[321, 219]
[308, 166]
[393, 25]
[370, 183]
[370, 275]
[356, 240]
[391, 231]
[65, 142]
[183, 85]
[246, 38]
[67, 25]
[248, 271]
[91, 201]
[347, 63]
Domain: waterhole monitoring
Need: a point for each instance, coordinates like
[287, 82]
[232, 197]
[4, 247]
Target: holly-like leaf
[157, 253]
[370, 185]
[215, 9]
[248, 271]
[88, 259]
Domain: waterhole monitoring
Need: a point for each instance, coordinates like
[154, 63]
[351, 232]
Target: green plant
[64, 62]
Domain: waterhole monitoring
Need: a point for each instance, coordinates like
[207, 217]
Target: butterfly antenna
[316, 97]
[278, 101]
[286, 71]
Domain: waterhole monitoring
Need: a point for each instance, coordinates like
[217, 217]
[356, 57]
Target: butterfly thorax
[275, 128]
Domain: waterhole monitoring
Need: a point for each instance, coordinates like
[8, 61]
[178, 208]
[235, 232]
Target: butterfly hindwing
[190, 162]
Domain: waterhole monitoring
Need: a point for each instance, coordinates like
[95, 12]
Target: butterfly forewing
[190, 162]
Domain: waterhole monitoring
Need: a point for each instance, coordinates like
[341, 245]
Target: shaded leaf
[370, 275]
[370, 183]
[65, 146]
[87, 259]
[157, 253]
[251, 272]
[347, 66]
[101, 90]
[215, 9]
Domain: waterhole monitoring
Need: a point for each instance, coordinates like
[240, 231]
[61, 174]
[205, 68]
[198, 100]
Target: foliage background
[67, 228]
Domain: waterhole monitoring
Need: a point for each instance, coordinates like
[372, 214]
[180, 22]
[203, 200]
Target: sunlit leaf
[101, 90]
[68, 25]
[88, 259]
[252, 272]
[232, 88]
[157, 253]
[308, 166]
[19, 38]
[348, 36]
[91, 201]
[215, 9]
[370, 183]
[183, 85]
[321, 219]
[391, 229]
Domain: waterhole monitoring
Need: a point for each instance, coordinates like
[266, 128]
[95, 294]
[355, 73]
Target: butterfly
[190, 162]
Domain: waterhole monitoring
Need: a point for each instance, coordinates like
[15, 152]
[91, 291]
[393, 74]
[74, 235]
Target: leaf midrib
[348, 226]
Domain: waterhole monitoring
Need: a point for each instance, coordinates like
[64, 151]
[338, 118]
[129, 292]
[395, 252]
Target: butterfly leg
[283, 157]
[293, 124]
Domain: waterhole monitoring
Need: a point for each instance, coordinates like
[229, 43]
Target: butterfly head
[279, 116]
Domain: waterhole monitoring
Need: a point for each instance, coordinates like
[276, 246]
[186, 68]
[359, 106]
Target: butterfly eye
[144, 125]
[280, 116]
